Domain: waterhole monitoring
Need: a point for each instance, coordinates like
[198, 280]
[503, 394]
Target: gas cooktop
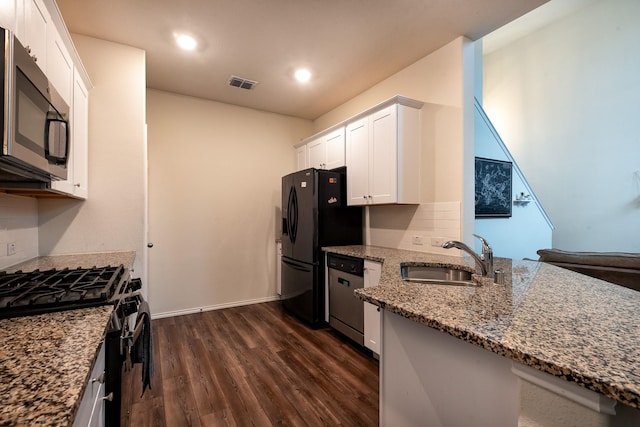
[37, 292]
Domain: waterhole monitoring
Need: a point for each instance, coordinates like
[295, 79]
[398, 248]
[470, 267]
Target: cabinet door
[316, 153]
[8, 18]
[80, 132]
[372, 271]
[59, 65]
[383, 156]
[91, 409]
[334, 143]
[36, 19]
[357, 149]
[301, 158]
[76, 184]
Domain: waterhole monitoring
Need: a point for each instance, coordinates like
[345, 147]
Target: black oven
[35, 118]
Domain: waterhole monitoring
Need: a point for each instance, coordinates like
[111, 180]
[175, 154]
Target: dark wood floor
[252, 366]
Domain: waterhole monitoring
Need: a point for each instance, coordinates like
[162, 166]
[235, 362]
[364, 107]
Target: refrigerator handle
[285, 227]
[292, 215]
[295, 266]
[294, 225]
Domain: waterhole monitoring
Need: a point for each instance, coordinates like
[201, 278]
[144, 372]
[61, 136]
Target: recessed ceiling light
[186, 41]
[303, 75]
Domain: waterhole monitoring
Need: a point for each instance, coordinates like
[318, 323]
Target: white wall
[565, 101]
[214, 197]
[19, 225]
[528, 229]
[444, 81]
[112, 218]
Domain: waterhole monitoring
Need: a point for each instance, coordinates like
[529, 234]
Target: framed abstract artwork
[493, 180]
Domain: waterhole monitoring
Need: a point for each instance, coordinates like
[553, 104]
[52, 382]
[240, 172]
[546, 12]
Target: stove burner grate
[34, 292]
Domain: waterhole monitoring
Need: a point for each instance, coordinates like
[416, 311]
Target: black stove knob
[135, 284]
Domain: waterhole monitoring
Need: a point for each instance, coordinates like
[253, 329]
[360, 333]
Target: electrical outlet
[438, 241]
[416, 240]
[11, 248]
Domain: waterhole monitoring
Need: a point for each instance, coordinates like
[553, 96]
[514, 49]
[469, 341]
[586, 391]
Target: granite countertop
[85, 260]
[572, 326]
[46, 360]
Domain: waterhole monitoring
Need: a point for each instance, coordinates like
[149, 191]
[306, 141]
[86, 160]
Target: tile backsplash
[405, 226]
[18, 228]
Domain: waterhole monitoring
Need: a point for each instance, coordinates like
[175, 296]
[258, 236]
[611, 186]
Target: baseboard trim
[213, 307]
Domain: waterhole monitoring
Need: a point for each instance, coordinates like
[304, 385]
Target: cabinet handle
[99, 379]
[108, 397]
[35, 58]
[77, 185]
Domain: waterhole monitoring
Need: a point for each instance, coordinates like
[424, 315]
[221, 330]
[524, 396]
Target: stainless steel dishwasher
[346, 312]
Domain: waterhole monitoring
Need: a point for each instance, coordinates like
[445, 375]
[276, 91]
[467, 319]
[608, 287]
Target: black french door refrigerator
[314, 214]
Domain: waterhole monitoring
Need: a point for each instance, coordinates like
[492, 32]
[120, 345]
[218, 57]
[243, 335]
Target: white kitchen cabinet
[372, 271]
[316, 156]
[301, 158]
[8, 15]
[91, 410]
[32, 20]
[80, 132]
[327, 150]
[59, 66]
[430, 378]
[383, 157]
[77, 184]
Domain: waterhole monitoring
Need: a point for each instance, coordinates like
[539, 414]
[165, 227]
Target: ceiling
[349, 45]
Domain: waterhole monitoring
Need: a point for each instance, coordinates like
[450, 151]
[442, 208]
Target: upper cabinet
[301, 158]
[32, 22]
[327, 150]
[59, 64]
[323, 151]
[76, 184]
[380, 148]
[383, 156]
[40, 28]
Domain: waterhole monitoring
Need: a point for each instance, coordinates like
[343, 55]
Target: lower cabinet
[372, 272]
[91, 410]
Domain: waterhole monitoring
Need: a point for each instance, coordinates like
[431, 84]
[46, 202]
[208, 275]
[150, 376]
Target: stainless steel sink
[436, 275]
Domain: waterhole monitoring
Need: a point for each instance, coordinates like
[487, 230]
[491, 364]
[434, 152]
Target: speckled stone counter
[45, 360]
[86, 260]
[572, 326]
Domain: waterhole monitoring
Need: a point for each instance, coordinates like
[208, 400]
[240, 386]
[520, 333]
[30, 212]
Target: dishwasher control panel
[346, 263]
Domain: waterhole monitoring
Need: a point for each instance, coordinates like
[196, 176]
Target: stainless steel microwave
[35, 131]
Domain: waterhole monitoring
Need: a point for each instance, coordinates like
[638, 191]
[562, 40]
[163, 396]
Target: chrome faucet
[485, 261]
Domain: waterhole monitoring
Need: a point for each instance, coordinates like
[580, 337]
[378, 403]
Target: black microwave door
[56, 148]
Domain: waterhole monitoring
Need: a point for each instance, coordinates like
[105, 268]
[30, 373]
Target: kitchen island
[544, 321]
[46, 359]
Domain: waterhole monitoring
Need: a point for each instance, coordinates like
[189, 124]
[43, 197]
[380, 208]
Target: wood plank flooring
[252, 366]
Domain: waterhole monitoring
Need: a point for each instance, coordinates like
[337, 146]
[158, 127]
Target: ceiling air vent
[242, 83]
